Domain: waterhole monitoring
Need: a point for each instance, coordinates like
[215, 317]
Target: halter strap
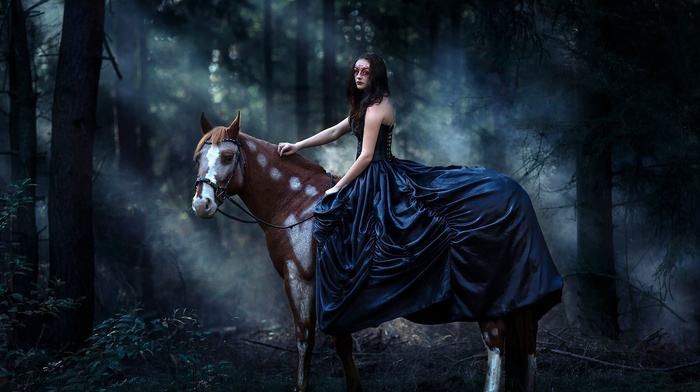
[220, 191]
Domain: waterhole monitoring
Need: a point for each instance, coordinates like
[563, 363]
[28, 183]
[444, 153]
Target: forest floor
[401, 356]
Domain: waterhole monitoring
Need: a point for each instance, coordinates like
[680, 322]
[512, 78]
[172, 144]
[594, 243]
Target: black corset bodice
[382, 150]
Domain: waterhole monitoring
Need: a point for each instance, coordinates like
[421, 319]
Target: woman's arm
[326, 136]
[373, 120]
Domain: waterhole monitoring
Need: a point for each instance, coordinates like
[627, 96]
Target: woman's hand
[285, 148]
[335, 189]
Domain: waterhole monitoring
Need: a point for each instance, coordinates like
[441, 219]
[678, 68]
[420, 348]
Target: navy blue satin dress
[433, 244]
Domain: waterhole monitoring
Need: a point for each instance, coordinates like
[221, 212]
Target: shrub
[125, 351]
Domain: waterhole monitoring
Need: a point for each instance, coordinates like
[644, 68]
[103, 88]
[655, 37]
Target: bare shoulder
[382, 111]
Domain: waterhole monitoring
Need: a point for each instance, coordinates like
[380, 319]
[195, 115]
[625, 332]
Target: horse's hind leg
[343, 346]
[492, 332]
[521, 346]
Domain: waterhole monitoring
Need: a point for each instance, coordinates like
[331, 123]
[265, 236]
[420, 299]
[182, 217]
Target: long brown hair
[377, 88]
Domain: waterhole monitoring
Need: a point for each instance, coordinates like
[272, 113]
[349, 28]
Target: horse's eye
[228, 159]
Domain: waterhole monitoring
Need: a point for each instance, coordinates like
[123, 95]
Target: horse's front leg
[343, 346]
[301, 294]
[492, 332]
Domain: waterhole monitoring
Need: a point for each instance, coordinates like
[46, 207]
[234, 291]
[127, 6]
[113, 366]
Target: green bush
[15, 307]
[125, 352]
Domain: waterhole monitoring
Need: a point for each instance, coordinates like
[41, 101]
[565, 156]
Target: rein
[256, 219]
[220, 192]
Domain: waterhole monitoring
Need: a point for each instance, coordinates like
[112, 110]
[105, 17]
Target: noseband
[220, 192]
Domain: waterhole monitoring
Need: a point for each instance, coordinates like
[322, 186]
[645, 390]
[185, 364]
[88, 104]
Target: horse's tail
[520, 346]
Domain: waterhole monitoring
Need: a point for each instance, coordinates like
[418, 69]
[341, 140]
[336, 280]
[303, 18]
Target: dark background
[591, 105]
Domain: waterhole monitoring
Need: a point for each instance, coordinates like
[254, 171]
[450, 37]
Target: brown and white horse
[281, 195]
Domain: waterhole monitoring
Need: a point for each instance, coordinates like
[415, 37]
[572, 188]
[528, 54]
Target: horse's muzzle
[204, 206]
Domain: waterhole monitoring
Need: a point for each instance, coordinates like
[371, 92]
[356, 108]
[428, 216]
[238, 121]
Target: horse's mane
[215, 136]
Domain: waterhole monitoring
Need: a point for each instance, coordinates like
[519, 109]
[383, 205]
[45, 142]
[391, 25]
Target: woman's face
[361, 72]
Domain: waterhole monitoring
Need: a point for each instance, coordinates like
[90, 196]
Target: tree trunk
[432, 11]
[456, 47]
[23, 140]
[74, 123]
[302, 79]
[129, 229]
[329, 49]
[596, 277]
[269, 83]
[23, 159]
[596, 292]
[497, 65]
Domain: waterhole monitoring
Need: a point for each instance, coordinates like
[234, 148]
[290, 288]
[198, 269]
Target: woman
[368, 97]
[433, 244]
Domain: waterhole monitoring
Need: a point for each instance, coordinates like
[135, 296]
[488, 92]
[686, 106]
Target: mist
[450, 110]
[443, 117]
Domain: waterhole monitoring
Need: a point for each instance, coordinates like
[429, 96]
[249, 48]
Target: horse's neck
[278, 188]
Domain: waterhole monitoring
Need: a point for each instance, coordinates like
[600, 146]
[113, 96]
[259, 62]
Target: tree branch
[621, 366]
[268, 345]
[598, 361]
[628, 283]
[111, 58]
[35, 6]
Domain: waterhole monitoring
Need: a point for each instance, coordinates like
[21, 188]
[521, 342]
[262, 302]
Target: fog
[448, 112]
[221, 268]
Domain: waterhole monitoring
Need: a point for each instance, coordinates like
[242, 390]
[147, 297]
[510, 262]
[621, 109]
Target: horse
[281, 194]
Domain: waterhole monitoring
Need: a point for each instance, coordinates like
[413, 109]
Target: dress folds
[433, 244]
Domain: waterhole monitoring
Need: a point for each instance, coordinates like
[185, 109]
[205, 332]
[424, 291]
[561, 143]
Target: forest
[111, 282]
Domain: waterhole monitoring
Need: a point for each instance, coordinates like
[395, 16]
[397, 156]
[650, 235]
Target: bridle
[220, 192]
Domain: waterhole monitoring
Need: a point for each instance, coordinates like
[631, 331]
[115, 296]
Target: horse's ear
[206, 126]
[235, 126]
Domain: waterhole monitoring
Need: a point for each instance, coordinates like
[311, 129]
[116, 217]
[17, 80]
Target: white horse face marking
[210, 163]
[204, 203]
[215, 162]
